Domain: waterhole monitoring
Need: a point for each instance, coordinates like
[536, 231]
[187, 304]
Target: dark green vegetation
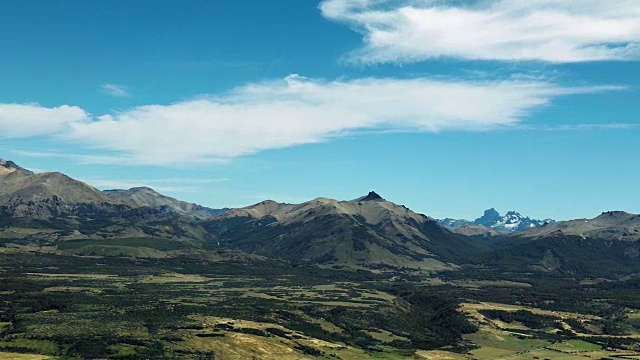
[133, 308]
[563, 254]
[162, 293]
[527, 318]
[552, 292]
[127, 308]
[334, 239]
[85, 276]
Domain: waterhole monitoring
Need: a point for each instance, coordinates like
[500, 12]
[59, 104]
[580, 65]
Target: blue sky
[447, 107]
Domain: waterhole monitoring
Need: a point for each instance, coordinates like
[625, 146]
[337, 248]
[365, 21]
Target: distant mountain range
[512, 221]
[47, 210]
[612, 225]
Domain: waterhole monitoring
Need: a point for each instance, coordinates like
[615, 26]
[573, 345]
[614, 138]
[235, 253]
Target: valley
[67, 307]
[90, 276]
[320, 180]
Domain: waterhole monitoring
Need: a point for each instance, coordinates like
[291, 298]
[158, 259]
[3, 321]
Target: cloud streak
[580, 127]
[297, 111]
[176, 185]
[115, 90]
[557, 31]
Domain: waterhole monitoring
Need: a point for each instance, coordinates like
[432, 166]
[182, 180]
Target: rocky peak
[614, 215]
[372, 196]
[10, 166]
[490, 216]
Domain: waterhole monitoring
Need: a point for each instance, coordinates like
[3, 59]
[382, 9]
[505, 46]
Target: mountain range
[54, 212]
[512, 221]
[68, 209]
[24, 193]
[367, 231]
[612, 225]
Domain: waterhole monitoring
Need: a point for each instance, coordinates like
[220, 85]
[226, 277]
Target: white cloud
[115, 90]
[177, 185]
[299, 111]
[558, 31]
[280, 114]
[27, 120]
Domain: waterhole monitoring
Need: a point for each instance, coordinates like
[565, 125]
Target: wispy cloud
[193, 181]
[557, 31]
[109, 158]
[579, 127]
[115, 90]
[108, 184]
[281, 198]
[296, 111]
[80, 158]
[175, 185]
[37, 153]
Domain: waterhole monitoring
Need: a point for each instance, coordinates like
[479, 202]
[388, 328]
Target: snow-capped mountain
[453, 224]
[512, 221]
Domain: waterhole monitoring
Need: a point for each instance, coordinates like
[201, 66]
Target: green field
[151, 243]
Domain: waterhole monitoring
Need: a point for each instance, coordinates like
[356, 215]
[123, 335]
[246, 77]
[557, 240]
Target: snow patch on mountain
[512, 221]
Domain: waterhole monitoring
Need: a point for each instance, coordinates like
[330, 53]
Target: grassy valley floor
[69, 307]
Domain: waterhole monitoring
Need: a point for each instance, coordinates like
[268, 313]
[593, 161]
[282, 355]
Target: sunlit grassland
[17, 356]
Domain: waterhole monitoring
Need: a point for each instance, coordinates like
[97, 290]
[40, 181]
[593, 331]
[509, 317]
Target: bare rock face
[489, 217]
[372, 196]
[30, 209]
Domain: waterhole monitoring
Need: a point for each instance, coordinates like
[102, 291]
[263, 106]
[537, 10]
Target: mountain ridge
[147, 197]
[610, 225]
[28, 187]
[366, 231]
[53, 200]
[491, 219]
